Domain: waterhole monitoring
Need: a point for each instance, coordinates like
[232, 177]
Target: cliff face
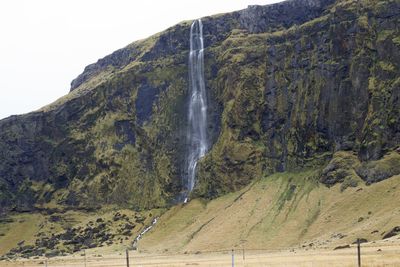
[295, 97]
[293, 85]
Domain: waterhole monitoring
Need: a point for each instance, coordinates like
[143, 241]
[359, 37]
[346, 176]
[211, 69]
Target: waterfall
[197, 113]
[143, 232]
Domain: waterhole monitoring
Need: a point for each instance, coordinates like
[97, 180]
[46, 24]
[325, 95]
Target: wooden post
[84, 254]
[127, 258]
[359, 252]
[233, 258]
[45, 262]
[243, 254]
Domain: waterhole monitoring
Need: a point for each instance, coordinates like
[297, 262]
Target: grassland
[376, 256]
[280, 211]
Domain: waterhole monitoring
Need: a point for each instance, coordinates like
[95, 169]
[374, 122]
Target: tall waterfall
[197, 114]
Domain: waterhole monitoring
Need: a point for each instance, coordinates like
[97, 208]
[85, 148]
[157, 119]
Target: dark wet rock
[53, 253]
[395, 231]
[375, 171]
[26, 248]
[127, 233]
[258, 18]
[341, 247]
[338, 236]
[55, 218]
[139, 219]
[144, 101]
[129, 226]
[340, 168]
[117, 216]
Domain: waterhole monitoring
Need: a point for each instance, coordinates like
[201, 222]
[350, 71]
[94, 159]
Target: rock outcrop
[290, 85]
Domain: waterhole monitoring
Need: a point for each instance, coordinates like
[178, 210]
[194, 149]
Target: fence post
[45, 262]
[127, 258]
[359, 252]
[243, 254]
[233, 258]
[84, 254]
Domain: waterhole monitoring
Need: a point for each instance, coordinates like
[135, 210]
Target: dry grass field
[388, 255]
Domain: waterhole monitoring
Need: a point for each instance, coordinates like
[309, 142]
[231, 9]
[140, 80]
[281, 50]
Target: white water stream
[197, 113]
[197, 118]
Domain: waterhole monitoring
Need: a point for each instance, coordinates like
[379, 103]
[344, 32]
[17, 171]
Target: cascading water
[197, 119]
[197, 115]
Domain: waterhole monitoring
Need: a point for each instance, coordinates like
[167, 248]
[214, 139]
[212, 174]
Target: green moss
[287, 195]
[314, 213]
[387, 66]
[396, 40]
[312, 23]
[341, 169]
[372, 84]
[363, 21]
[383, 35]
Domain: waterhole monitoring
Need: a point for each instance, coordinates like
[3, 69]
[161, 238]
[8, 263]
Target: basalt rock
[289, 86]
[395, 231]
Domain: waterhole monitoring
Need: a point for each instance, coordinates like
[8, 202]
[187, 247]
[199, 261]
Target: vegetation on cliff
[293, 85]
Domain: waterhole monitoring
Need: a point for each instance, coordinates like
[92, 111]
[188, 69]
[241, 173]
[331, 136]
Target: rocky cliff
[294, 85]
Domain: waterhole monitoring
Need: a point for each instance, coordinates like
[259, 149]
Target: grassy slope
[279, 211]
[27, 227]
[24, 227]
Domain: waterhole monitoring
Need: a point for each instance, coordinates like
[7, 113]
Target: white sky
[44, 44]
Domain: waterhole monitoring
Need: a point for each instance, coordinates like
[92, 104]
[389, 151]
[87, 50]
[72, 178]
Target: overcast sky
[44, 44]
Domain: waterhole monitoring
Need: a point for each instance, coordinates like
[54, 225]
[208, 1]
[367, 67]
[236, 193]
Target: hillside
[285, 210]
[280, 211]
[303, 119]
